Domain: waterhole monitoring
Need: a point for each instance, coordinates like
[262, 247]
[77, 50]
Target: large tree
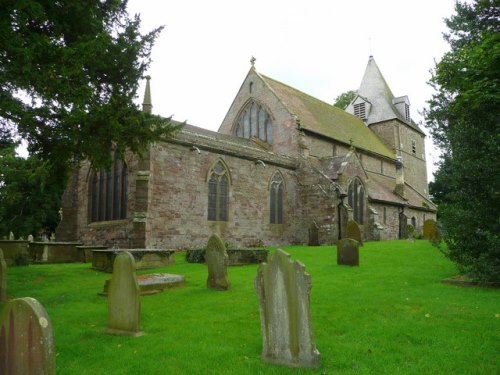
[344, 99]
[69, 73]
[30, 194]
[463, 116]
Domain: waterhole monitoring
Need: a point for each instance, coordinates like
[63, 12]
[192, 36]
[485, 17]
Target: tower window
[360, 110]
[414, 147]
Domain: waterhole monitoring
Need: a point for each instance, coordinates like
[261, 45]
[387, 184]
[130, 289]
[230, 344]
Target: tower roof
[376, 91]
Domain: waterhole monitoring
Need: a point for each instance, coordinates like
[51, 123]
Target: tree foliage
[69, 72]
[463, 118]
[344, 99]
[30, 194]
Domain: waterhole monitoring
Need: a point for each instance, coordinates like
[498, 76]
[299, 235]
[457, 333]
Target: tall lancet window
[218, 192]
[108, 193]
[276, 189]
[356, 199]
[254, 121]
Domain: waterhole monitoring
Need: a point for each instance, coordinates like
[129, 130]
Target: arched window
[108, 193]
[356, 199]
[218, 193]
[414, 222]
[276, 188]
[255, 121]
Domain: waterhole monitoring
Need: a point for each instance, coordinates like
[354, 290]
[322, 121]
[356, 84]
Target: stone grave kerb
[283, 288]
[26, 339]
[124, 305]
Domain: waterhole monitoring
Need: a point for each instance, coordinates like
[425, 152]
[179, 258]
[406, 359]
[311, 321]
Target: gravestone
[3, 278]
[26, 339]
[430, 231]
[348, 252]
[313, 235]
[11, 236]
[283, 288]
[217, 260]
[353, 231]
[124, 306]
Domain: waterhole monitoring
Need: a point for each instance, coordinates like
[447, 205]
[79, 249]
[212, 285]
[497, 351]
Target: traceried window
[276, 188]
[218, 193]
[255, 121]
[360, 110]
[108, 193]
[356, 199]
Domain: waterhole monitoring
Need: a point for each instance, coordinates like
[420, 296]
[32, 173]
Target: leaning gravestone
[283, 288]
[353, 231]
[217, 259]
[3, 278]
[26, 339]
[124, 306]
[348, 252]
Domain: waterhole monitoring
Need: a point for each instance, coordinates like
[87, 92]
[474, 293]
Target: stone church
[283, 166]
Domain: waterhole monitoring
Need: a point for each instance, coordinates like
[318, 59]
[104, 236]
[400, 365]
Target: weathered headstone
[353, 231]
[124, 306]
[26, 339]
[313, 235]
[217, 260]
[30, 238]
[284, 288]
[430, 231]
[3, 278]
[348, 252]
[11, 236]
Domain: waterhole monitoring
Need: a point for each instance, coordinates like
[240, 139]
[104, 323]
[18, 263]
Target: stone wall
[178, 203]
[285, 134]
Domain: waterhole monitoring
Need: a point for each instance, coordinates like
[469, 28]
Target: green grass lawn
[391, 315]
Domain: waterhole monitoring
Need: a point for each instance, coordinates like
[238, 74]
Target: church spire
[147, 105]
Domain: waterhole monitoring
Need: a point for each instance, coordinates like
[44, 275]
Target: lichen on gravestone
[26, 339]
[217, 260]
[124, 305]
[353, 231]
[283, 288]
[348, 252]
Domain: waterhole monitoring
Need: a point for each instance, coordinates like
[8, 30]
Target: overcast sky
[320, 47]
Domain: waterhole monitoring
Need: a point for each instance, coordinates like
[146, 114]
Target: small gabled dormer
[359, 107]
[402, 104]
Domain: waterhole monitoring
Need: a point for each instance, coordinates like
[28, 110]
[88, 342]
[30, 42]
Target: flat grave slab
[153, 283]
[102, 260]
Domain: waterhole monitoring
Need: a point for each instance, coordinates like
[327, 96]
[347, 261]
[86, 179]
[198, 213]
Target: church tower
[389, 117]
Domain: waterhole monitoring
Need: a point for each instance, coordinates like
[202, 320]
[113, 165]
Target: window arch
[218, 192]
[276, 189]
[255, 121]
[414, 222]
[356, 199]
[108, 193]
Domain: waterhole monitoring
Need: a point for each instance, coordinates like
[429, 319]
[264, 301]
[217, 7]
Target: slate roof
[381, 189]
[227, 144]
[327, 120]
[375, 89]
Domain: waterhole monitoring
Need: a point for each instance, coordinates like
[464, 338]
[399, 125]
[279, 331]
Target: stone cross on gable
[252, 61]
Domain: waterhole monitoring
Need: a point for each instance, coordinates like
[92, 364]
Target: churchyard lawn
[390, 315]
